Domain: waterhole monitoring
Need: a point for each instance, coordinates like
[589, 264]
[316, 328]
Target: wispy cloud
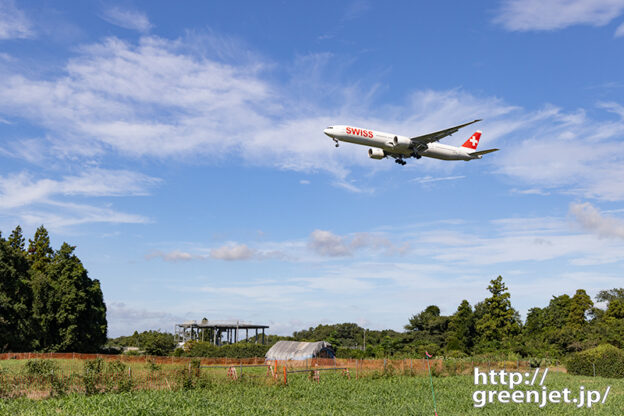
[329, 244]
[430, 179]
[591, 219]
[48, 201]
[110, 100]
[171, 256]
[13, 22]
[530, 191]
[619, 32]
[356, 9]
[232, 252]
[21, 189]
[546, 151]
[128, 19]
[527, 15]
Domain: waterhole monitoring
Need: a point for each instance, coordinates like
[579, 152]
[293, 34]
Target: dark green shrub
[455, 354]
[41, 367]
[92, 375]
[59, 386]
[153, 366]
[343, 352]
[117, 378]
[607, 360]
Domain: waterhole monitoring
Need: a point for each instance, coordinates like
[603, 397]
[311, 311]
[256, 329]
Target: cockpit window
[330, 127]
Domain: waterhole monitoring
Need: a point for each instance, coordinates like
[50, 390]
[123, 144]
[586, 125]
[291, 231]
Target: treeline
[47, 300]
[568, 324]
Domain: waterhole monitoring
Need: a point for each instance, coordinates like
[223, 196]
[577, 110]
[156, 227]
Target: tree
[47, 300]
[79, 310]
[580, 304]
[39, 250]
[16, 239]
[499, 322]
[157, 343]
[15, 299]
[428, 321]
[461, 329]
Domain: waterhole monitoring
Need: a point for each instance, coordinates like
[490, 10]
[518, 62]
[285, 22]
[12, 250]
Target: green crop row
[334, 394]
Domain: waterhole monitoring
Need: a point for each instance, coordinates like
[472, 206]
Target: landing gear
[400, 161]
[337, 144]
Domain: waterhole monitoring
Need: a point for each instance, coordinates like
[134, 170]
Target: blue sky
[180, 147]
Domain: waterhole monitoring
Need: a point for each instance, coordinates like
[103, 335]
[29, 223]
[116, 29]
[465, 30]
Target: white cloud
[171, 256]
[518, 240]
[20, 189]
[328, 244]
[60, 215]
[526, 15]
[430, 179]
[530, 191]
[593, 221]
[36, 201]
[548, 150]
[110, 100]
[232, 252]
[13, 22]
[128, 19]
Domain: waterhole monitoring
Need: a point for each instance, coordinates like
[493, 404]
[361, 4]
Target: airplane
[400, 147]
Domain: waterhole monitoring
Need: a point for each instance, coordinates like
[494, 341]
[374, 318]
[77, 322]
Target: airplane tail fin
[473, 141]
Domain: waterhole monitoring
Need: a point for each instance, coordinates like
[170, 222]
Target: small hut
[293, 350]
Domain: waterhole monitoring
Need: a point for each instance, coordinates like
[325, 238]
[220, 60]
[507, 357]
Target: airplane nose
[327, 132]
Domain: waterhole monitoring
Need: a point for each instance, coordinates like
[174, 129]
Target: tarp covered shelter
[293, 350]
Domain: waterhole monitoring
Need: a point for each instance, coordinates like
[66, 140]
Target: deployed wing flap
[483, 152]
[434, 137]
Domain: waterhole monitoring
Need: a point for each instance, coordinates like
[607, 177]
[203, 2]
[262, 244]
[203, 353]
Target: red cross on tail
[473, 141]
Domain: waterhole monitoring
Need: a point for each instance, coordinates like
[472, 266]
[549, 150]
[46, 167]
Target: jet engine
[376, 153]
[401, 143]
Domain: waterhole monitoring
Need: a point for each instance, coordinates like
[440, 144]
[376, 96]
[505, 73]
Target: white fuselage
[396, 144]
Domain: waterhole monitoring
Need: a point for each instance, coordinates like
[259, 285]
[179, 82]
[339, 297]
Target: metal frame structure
[214, 331]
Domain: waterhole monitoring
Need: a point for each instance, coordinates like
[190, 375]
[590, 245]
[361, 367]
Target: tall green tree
[499, 323]
[15, 298]
[39, 250]
[461, 329]
[580, 305]
[79, 311]
[16, 239]
[47, 300]
[429, 321]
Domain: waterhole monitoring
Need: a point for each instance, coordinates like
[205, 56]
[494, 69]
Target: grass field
[334, 395]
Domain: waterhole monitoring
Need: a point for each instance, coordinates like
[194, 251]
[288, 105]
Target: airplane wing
[434, 137]
[482, 152]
